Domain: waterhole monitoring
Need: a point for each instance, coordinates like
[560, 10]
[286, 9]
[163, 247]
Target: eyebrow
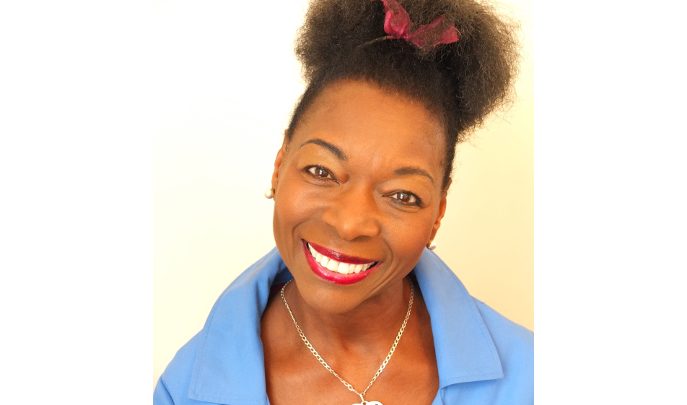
[336, 151]
[411, 170]
[401, 171]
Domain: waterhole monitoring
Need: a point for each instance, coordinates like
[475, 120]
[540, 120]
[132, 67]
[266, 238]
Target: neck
[366, 330]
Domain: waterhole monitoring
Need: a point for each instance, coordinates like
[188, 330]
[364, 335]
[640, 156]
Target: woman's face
[358, 194]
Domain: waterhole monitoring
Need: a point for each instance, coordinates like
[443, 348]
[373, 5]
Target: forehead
[363, 117]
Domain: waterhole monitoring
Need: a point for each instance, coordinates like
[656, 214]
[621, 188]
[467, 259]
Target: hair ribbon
[398, 25]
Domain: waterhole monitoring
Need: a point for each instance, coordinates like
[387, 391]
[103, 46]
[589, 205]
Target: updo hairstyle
[459, 82]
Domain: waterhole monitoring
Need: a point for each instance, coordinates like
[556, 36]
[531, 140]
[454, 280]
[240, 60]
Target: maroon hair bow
[397, 24]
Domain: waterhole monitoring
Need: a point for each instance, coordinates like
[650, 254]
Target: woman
[352, 307]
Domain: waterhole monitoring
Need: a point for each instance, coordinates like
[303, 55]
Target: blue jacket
[482, 357]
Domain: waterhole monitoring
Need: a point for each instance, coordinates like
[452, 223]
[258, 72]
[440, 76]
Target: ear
[277, 164]
[442, 211]
[440, 216]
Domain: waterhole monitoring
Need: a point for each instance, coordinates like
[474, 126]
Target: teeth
[332, 265]
[339, 267]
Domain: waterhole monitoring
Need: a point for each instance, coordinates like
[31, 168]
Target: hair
[460, 83]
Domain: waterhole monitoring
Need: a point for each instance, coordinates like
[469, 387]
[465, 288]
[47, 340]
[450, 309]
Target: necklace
[329, 368]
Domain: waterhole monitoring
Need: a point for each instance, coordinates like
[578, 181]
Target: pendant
[368, 403]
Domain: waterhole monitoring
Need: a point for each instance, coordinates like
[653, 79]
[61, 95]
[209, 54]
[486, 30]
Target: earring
[431, 246]
[269, 194]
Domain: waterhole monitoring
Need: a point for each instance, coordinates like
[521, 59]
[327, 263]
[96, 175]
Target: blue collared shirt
[482, 357]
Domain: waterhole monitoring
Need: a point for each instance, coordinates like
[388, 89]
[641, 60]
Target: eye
[406, 198]
[320, 173]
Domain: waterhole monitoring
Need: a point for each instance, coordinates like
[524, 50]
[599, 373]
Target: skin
[361, 176]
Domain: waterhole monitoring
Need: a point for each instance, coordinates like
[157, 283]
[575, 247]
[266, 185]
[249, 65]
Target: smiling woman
[351, 306]
[331, 191]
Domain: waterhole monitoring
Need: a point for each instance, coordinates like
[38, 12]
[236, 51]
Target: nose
[353, 213]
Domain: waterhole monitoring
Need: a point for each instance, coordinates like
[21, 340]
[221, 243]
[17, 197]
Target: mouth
[335, 266]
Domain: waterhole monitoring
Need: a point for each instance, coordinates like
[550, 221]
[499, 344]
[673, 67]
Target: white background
[78, 112]
[226, 89]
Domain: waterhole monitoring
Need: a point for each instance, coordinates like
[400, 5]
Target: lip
[338, 256]
[332, 276]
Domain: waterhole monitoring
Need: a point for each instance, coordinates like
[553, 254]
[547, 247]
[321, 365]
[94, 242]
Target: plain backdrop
[86, 85]
[226, 91]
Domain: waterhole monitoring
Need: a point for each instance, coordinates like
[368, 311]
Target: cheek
[408, 238]
[292, 206]
[284, 221]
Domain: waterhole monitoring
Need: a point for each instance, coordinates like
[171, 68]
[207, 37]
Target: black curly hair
[460, 82]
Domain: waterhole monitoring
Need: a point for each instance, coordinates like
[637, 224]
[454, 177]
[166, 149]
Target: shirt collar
[229, 369]
[463, 345]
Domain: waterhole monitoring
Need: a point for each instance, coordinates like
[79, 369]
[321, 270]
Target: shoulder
[223, 362]
[484, 335]
[514, 343]
[174, 383]
[506, 332]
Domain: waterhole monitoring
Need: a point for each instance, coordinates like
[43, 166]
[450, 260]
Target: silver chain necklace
[329, 368]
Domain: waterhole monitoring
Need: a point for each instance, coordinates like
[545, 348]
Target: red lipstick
[332, 276]
[339, 257]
